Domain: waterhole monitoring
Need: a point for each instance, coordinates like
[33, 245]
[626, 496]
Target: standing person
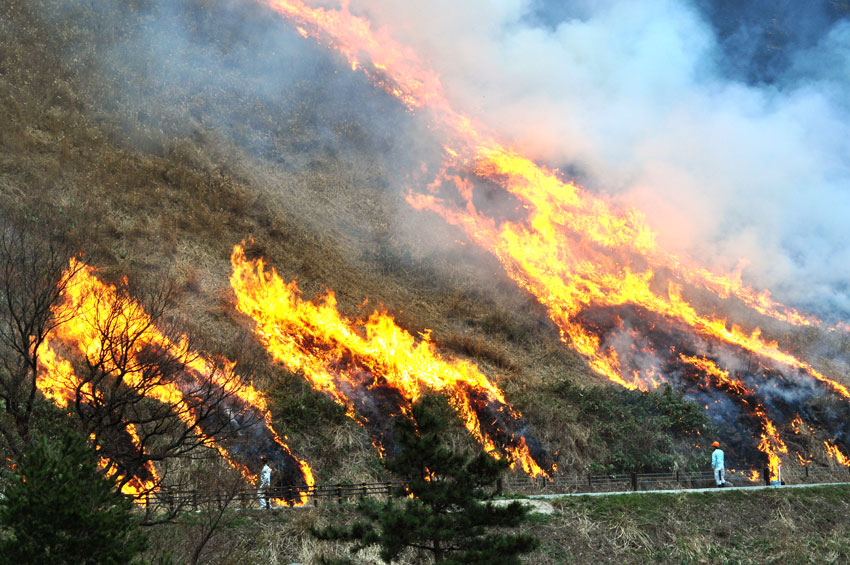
[265, 484]
[718, 463]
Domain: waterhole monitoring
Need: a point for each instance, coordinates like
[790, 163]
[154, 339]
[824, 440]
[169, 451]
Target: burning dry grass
[161, 195]
[166, 175]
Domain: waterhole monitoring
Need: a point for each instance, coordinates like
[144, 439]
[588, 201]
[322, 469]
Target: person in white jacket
[718, 463]
[265, 484]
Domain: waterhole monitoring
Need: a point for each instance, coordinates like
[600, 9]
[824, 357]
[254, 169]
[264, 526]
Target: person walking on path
[265, 483]
[718, 463]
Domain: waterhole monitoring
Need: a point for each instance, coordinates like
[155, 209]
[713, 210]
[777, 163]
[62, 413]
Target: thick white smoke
[640, 101]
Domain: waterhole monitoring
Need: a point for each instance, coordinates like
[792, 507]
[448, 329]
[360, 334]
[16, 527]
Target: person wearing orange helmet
[718, 463]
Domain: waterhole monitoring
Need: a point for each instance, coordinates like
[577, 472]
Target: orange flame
[836, 454]
[56, 378]
[770, 444]
[572, 250]
[720, 376]
[769, 441]
[136, 486]
[554, 204]
[797, 425]
[93, 301]
[557, 256]
[57, 381]
[552, 253]
[314, 339]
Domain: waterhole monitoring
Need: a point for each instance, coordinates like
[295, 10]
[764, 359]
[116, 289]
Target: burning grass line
[577, 281]
[57, 381]
[573, 250]
[835, 453]
[330, 351]
[98, 308]
[770, 443]
[396, 69]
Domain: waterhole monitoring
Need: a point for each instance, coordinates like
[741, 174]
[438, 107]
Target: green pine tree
[60, 508]
[448, 517]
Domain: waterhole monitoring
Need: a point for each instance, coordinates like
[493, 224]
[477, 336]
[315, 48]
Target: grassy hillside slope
[167, 133]
[164, 133]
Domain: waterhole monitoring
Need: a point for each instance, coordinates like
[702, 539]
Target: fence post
[389, 490]
[363, 491]
[634, 481]
[499, 486]
[677, 477]
[589, 480]
[339, 493]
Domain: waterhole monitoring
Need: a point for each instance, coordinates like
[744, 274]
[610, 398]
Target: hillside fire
[375, 369]
[126, 360]
[57, 381]
[627, 306]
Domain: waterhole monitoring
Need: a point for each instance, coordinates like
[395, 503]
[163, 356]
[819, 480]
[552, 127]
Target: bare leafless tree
[219, 488]
[141, 390]
[34, 271]
[138, 375]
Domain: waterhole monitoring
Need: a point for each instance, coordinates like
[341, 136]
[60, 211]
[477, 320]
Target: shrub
[60, 508]
[442, 513]
[640, 429]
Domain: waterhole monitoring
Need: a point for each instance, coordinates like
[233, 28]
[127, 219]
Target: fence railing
[671, 480]
[343, 493]
[337, 493]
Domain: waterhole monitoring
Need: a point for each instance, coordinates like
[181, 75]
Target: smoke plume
[725, 123]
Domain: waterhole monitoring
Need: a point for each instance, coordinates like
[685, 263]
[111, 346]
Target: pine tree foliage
[449, 516]
[60, 508]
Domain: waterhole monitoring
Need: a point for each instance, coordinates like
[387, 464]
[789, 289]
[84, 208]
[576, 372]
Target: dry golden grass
[163, 192]
[163, 180]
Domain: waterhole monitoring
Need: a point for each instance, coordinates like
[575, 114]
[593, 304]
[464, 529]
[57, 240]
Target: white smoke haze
[179, 74]
[638, 101]
[646, 102]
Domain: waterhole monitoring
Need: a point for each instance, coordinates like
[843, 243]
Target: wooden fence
[343, 493]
